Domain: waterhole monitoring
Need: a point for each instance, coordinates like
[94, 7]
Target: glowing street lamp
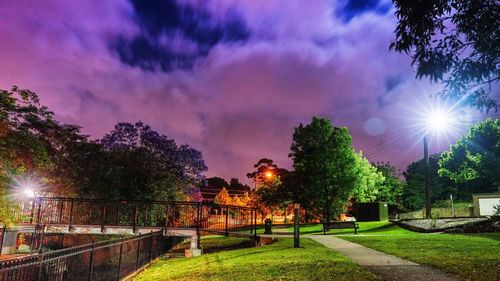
[28, 192]
[27, 186]
[269, 174]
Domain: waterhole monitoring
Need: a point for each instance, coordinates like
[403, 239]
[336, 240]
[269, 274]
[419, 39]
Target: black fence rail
[105, 260]
[136, 214]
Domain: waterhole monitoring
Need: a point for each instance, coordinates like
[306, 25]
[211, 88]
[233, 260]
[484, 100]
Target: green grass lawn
[474, 257]
[278, 261]
[217, 243]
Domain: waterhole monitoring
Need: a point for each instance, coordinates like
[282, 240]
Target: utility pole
[427, 173]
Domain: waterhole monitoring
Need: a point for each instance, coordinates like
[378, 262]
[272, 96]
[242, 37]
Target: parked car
[347, 217]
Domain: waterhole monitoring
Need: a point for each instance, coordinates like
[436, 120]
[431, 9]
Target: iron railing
[136, 214]
[105, 260]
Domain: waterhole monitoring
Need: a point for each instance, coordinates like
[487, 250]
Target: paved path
[388, 267]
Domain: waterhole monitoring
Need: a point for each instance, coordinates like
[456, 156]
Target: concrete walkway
[388, 267]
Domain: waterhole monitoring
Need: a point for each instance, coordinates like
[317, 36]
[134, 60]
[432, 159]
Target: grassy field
[278, 261]
[474, 257]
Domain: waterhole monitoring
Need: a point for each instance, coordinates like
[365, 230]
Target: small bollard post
[296, 225]
[268, 225]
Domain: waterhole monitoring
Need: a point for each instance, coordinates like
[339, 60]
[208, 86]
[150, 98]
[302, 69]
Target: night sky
[232, 78]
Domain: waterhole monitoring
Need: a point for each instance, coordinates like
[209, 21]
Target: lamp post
[438, 120]
[427, 173]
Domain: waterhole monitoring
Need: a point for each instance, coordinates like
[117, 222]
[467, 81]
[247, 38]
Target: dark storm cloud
[174, 35]
[351, 8]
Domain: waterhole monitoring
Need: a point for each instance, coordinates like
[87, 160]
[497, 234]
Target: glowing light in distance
[269, 174]
[27, 186]
[28, 193]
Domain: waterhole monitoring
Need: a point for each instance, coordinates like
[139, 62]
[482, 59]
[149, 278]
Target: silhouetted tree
[453, 41]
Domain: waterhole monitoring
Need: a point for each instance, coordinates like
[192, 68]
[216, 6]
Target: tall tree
[453, 41]
[265, 172]
[325, 162]
[234, 184]
[147, 165]
[216, 182]
[475, 156]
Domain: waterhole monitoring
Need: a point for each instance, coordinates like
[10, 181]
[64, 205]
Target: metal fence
[177, 214]
[105, 260]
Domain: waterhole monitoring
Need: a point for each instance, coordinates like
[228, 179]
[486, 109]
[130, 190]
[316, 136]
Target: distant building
[209, 193]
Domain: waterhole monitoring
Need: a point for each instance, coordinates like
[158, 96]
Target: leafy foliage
[223, 197]
[475, 156]
[165, 170]
[216, 182]
[391, 190]
[325, 163]
[441, 188]
[369, 180]
[132, 161]
[454, 41]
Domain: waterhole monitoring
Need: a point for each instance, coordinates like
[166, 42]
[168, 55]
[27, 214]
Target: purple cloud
[240, 96]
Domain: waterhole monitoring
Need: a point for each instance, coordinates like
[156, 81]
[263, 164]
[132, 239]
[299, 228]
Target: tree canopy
[325, 162]
[475, 156]
[132, 161]
[452, 41]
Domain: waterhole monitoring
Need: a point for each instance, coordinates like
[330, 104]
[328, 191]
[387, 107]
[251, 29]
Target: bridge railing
[105, 260]
[177, 214]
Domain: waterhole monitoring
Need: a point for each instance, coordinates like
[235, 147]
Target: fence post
[146, 213]
[251, 221]
[118, 204]
[157, 244]
[227, 221]
[70, 224]
[89, 221]
[151, 246]
[120, 261]
[32, 215]
[61, 208]
[32, 243]
[4, 228]
[167, 208]
[198, 225]
[91, 263]
[42, 237]
[255, 223]
[38, 218]
[40, 266]
[103, 216]
[135, 219]
[138, 252]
